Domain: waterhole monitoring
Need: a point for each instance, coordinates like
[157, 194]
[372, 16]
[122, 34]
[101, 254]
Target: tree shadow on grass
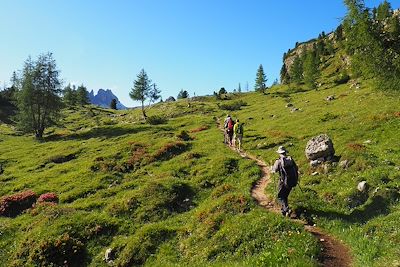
[99, 132]
[376, 206]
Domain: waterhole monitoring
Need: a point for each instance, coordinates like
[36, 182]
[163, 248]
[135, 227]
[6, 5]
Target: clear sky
[199, 46]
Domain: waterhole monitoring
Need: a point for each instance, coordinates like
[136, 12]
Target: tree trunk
[144, 113]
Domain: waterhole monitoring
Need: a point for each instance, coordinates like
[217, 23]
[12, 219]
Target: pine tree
[144, 90]
[296, 71]
[38, 99]
[310, 67]
[113, 104]
[183, 94]
[239, 88]
[372, 55]
[82, 95]
[260, 80]
[284, 75]
[69, 95]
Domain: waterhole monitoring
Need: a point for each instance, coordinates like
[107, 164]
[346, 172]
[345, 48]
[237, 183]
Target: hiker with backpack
[229, 130]
[288, 178]
[226, 137]
[238, 134]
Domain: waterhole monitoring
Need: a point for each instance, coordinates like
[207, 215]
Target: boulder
[320, 147]
[289, 105]
[362, 186]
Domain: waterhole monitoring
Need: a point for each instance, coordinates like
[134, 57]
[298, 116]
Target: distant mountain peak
[103, 98]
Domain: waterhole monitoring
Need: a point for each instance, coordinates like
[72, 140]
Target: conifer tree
[296, 71]
[82, 95]
[113, 104]
[38, 97]
[144, 90]
[183, 94]
[310, 67]
[260, 80]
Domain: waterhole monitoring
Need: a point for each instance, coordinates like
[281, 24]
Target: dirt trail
[334, 253]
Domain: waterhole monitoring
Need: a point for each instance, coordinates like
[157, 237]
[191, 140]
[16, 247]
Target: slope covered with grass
[167, 194]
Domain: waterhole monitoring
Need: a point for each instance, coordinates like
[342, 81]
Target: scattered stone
[294, 109]
[109, 256]
[290, 144]
[315, 163]
[314, 173]
[397, 168]
[344, 164]
[320, 147]
[330, 98]
[322, 240]
[367, 142]
[362, 186]
[289, 105]
[376, 190]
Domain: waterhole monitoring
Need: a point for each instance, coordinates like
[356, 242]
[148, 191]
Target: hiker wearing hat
[288, 178]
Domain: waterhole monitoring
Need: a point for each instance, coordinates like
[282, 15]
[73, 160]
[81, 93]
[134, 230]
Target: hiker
[229, 129]
[226, 138]
[238, 134]
[288, 178]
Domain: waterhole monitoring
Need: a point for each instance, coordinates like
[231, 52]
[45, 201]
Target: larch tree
[143, 90]
[38, 97]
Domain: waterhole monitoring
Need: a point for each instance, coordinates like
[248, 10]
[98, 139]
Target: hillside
[181, 197]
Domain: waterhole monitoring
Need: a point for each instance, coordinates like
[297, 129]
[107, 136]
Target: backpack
[230, 125]
[289, 171]
[240, 129]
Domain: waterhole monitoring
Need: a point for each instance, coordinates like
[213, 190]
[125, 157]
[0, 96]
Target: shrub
[48, 197]
[63, 250]
[233, 106]
[154, 120]
[342, 78]
[184, 136]
[170, 150]
[11, 206]
[199, 129]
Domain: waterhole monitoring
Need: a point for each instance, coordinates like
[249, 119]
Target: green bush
[233, 106]
[155, 120]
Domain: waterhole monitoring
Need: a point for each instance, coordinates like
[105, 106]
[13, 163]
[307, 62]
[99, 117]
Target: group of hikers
[233, 132]
[285, 166]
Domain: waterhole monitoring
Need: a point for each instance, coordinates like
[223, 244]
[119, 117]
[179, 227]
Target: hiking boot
[288, 213]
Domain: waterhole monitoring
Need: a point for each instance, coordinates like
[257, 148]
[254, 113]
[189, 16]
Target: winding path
[333, 252]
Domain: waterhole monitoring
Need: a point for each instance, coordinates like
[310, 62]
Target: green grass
[170, 193]
[143, 191]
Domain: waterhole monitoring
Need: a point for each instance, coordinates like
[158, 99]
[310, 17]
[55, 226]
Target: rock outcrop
[103, 99]
[320, 148]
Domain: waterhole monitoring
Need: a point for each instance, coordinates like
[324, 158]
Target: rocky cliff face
[103, 99]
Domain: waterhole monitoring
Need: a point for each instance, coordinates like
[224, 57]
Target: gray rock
[314, 173]
[362, 186]
[330, 98]
[109, 256]
[315, 163]
[320, 147]
[344, 164]
[367, 142]
[288, 105]
[397, 168]
[295, 109]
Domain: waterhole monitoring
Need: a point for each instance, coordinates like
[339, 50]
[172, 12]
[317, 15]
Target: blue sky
[199, 46]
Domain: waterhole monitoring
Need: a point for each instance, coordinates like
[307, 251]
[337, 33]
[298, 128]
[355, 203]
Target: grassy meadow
[171, 194]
